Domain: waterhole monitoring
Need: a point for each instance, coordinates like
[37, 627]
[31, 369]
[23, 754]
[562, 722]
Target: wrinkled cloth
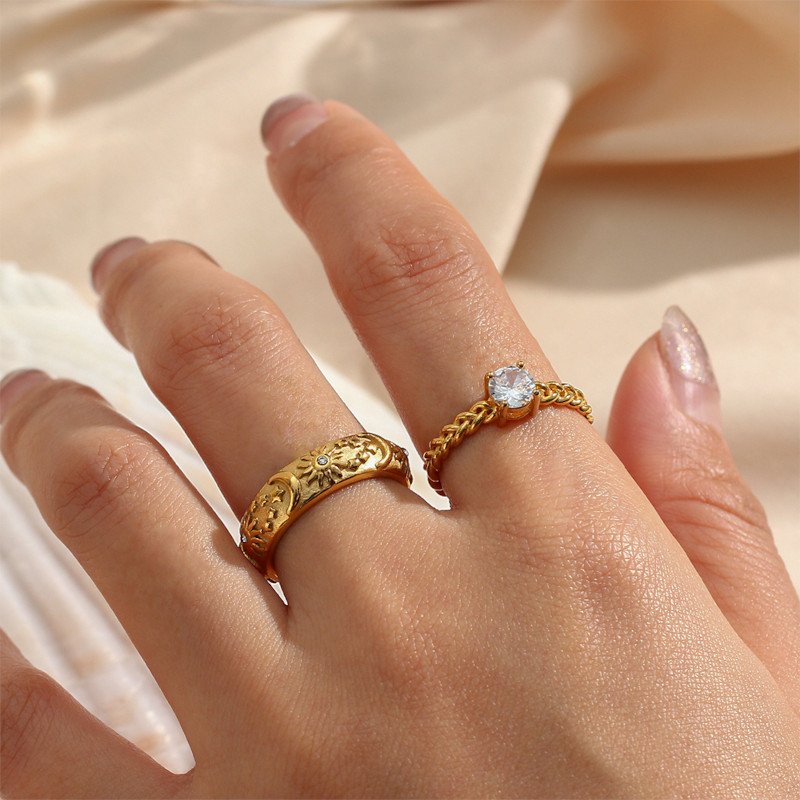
[615, 158]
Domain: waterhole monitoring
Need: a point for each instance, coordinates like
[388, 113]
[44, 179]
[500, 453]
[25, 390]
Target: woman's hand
[590, 618]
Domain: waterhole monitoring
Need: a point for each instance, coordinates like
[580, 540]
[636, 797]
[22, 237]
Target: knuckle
[725, 529]
[231, 333]
[29, 705]
[401, 268]
[607, 540]
[333, 163]
[716, 500]
[410, 652]
[715, 512]
[95, 477]
[615, 565]
[402, 260]
[589, 541]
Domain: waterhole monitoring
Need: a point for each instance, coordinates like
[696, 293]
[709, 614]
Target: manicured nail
[689, 367]
[289, 119]
[112, 255]
[15, 385]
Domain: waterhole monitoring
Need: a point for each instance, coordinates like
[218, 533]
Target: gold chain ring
[511, 393]
[295, 488]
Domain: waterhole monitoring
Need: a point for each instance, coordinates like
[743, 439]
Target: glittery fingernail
[691, 375]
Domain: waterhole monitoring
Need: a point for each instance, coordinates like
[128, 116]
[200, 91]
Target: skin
[590, 619]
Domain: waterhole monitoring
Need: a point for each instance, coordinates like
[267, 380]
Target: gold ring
[295, 488]
[511, 393]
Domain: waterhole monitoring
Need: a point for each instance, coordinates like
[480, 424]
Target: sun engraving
[328, 465]
[322, 467]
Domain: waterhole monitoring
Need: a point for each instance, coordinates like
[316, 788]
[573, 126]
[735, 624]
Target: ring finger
[224, 360]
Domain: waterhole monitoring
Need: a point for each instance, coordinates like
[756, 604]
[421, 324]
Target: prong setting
[513, 390]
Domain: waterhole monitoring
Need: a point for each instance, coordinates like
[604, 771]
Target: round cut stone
[322, 460]
[513, 386]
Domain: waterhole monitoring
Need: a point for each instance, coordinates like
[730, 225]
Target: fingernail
[692, 378]
[289, 119]
[112, 255]
[15, 385]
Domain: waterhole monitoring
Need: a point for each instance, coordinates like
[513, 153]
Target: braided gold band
[511, 393]
[295, 488]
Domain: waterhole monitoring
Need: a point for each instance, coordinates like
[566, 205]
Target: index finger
[418, 286]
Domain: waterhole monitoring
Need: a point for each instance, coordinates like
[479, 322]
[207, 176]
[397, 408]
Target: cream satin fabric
[614, 157]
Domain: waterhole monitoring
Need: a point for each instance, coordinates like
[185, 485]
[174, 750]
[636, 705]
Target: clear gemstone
[512, 385]
[322, 460]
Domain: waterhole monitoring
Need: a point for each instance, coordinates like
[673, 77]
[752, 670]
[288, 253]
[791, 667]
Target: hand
[589, 618]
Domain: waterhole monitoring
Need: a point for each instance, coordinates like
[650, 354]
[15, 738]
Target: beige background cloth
[615, 158]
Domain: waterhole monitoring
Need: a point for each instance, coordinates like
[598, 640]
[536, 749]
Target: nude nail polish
[110, 256]
[691, 376]
[15, 385]
[289, 119]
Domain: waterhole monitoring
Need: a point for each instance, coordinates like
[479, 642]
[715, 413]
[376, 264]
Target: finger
[665, 426]
[222, 357]
[225, 361]
[419, 288]
[50, 746]
[162, 559]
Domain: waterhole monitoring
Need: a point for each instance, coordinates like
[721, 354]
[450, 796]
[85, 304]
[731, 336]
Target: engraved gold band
[295, 488]
[511, 393]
